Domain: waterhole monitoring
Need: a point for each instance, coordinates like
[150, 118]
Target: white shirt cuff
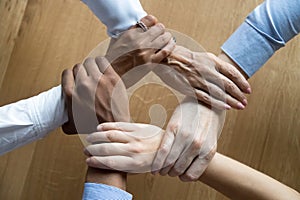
[117, 15]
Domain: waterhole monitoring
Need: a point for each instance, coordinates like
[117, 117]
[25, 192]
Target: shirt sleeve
[268, 28]
[117, 15]
[31, 119]
[95, 191]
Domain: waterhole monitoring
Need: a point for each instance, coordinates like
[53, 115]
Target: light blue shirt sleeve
[268, 28]
[94, 191]
[117, 15]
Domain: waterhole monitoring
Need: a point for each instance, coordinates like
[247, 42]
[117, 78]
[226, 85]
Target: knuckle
[197, 144]
[164, 150]
[232, 73]
[173, 127]
[186, 135]
[218, 93]
[111, 135]
[231, 86]
[164, 52]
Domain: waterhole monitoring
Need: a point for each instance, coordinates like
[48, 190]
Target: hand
[135, 48]
[94, 94]
[124, 147]
[213, 81]
[190, 141]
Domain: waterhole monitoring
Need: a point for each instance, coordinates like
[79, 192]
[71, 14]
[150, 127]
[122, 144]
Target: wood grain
[54, 35]
[12, 12]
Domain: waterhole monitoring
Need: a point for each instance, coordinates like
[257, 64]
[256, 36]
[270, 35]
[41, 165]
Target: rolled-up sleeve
[117, 15]
[268, 28]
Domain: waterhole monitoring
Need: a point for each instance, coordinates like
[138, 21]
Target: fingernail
[249, 91]
[227, 107]
[245, 102]
[240, 106]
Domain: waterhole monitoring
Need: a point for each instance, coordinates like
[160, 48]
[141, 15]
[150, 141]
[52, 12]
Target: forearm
[105, 184]
[238, 181]
[108, 177]
[31, 119]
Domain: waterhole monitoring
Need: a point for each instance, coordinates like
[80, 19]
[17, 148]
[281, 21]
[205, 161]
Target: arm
[31, 119]
[238, 181]
[132, 147]
[268, 28]
[80, 86]
[120, 16]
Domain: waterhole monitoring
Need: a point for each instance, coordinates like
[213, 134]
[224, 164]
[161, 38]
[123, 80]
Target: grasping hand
[94, 94]
[124, 147]
[135, 47]
[190, 141]
[214, 82]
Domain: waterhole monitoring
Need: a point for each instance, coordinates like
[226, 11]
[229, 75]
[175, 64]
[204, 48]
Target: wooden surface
[41, 38]
[12, 13]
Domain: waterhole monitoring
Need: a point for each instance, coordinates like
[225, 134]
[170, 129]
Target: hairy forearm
[238, 181]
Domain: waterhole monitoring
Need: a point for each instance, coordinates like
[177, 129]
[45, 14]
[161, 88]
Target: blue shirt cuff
[248, 49]
[95, 191]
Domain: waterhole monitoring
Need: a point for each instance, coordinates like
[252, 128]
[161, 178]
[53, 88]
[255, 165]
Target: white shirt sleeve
[117, 15]
[31, 119]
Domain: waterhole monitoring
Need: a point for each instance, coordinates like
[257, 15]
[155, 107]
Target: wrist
[227, 59]
[107, 177]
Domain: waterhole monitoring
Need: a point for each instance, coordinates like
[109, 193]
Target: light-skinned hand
[123, 146]
[190, 141]
[213, 81]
